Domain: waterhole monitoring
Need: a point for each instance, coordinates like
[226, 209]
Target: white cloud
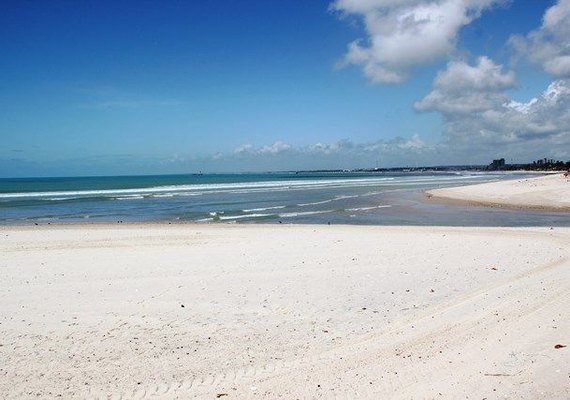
[245, 149]
[465, 89]
[217, 156]
[549, 45]
[406, 33]
[413, 143]
[345, 147]
[275, 148]
[523, 108]
[344, 153]
[272, 149]
[480, 116]
[331, 148]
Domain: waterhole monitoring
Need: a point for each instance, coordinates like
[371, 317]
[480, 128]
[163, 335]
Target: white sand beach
[276, 311]
[551, 192]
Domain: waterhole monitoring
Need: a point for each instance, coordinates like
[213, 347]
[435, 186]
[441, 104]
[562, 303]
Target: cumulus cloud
[275, 148]
[464, 89]
[245, 149]
[406, 33]
[343, 145]
[479, 114]
[272, 149]
[549, 45]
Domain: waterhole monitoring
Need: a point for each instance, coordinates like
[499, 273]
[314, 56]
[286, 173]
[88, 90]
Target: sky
[159, 87]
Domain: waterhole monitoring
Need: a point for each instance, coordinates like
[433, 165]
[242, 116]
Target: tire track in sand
[459, 321]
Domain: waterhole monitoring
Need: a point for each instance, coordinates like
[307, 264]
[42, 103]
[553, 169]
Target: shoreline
[191, 225]
[297, 311]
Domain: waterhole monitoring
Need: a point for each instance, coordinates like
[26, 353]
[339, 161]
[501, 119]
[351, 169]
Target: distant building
[497, 165]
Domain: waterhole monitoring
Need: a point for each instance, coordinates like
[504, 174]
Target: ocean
[337, 198]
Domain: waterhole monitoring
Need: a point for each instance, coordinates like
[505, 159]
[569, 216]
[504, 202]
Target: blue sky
[125, 87]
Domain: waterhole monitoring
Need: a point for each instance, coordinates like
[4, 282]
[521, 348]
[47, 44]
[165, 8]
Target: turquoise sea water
[348, 198]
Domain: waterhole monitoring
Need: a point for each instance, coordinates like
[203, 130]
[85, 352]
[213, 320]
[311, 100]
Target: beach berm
[551, 192]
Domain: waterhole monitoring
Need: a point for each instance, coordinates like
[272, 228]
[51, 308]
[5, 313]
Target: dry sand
[234, 312]
[551, 192]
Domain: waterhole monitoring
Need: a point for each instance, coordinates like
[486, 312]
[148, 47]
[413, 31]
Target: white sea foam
[248, 187]
[368, 208]
[179, 194]
[336, 198]
[315, 203]
[303, 213]
[347, 197]
[232, 217]
[263, 209]
[238, 187]
[63, 198]
[132, 197]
